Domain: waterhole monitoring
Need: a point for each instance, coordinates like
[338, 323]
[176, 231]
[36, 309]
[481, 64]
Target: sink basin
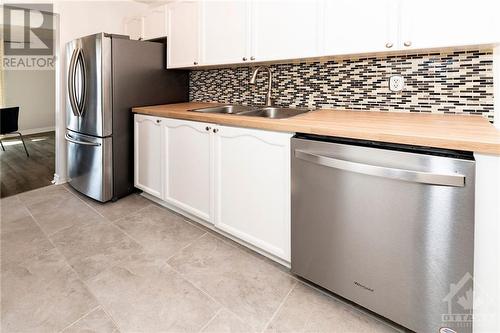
[274, 112]
[254, 111]
[226, 109]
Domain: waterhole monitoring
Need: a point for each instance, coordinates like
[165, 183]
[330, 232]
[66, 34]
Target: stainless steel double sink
[254, 111]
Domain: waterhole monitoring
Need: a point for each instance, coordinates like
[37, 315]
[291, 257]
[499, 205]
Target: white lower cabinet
[252, 187]
[148, 160]
[188, 171]
[235, 178]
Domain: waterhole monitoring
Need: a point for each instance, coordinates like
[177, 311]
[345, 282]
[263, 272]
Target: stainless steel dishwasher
[389, 227]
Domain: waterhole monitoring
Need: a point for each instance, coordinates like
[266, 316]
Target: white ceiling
[152, 2]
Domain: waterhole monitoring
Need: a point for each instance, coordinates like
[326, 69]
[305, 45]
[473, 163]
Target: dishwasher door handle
[452, 179]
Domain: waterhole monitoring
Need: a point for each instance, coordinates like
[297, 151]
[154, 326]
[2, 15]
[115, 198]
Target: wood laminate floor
[19, 173]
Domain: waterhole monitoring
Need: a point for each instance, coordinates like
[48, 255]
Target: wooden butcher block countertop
[469, 133]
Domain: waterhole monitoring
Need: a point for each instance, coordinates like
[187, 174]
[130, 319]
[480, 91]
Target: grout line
[165, 264]
[75, 272]
[211, 319]
[85, 315]
[279, 307]
[115, 323]
[133, 213]
[100, 214]
[112, 222]
[249, 252]
[186, 246]
[194, 285]
[203, 291]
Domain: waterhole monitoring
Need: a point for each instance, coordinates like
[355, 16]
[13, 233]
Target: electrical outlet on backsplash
[459, 82]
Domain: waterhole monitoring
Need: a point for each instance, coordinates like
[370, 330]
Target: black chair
[9, 124]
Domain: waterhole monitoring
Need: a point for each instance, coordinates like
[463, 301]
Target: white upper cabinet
[285, 29]
[358, 26]
[441, 23]
[219, 32]
[148, 160]
[155, 23]
[188, 166]
[183, 31]
[225, 30]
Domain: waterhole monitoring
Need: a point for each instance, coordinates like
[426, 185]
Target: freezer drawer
[90, 165]
[389, 230]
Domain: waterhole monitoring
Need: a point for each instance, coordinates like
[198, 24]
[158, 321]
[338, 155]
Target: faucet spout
[269, 82]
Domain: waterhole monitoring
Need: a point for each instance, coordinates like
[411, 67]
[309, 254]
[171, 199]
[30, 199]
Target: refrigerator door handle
[78, 142]
[71, 83]
[455, 180]
[80, 58]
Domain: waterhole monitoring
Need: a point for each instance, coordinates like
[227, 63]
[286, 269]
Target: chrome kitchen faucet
[269, 82]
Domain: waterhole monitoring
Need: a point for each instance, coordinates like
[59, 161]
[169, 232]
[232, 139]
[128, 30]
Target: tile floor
[73, 265]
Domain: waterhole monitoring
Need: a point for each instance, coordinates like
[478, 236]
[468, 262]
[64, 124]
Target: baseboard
[38, 130]
[58, 180]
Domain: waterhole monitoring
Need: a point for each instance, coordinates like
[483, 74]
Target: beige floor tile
[11, 209]
[159, 231]
[97, 321]
[226, 322]
[92, 247]
[308, 310]
[42, 294]
[251, 288]
[48, 193]
[144, 295]
[21, 239]
[123, 207]
[55, 209]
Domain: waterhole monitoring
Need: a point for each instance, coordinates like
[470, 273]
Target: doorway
[28, 87]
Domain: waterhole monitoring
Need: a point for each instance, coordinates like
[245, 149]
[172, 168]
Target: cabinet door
[429, 23]
[285, 29]
[225, 32]
[155, 23]
[188, 166]
[148, 161]
[359, 26]
[183, 34]
[252, 187]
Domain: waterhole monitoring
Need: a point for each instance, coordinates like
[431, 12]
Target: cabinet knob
[215, 130]
[407, 43]
[158, 121]
[244, 58]
[208, 128]
[389, 45]
[195, 63]
[252, 58]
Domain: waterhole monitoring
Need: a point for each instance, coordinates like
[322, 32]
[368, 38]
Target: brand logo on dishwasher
[363, 286]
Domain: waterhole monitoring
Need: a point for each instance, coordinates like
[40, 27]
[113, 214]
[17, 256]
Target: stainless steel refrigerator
[107, 75]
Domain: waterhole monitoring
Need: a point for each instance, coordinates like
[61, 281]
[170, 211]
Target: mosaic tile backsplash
[455, 82]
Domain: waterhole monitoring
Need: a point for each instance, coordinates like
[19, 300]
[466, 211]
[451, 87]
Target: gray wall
[34, 92]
